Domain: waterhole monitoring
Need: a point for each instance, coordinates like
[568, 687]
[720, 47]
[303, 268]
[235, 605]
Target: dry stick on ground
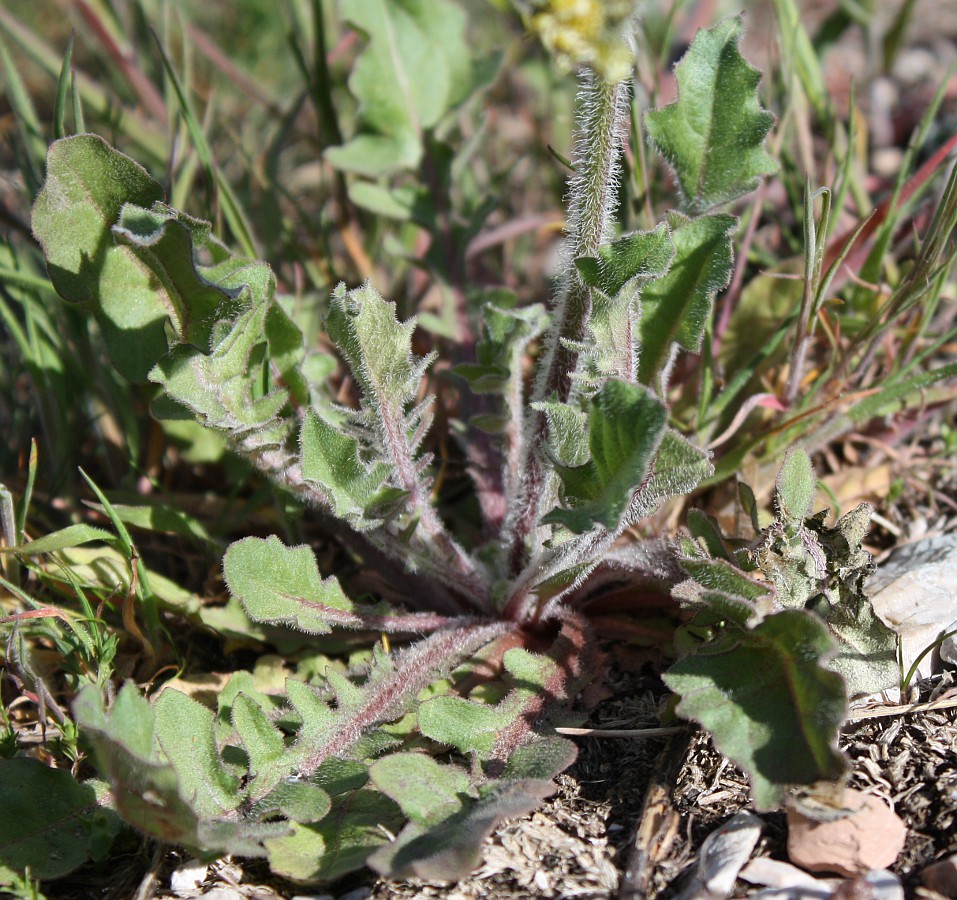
[658, 824]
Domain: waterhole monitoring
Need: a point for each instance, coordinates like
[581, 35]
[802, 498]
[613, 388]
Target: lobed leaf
[676, 308]
[333, 461]
[145, 785]
[713, 135]
[282, 585]
[626, 424]
[443, 838]
[377, 347]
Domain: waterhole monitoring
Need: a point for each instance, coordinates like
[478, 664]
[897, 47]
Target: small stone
[913, 592]
[870, 838]
[187, 879]
[942, 876]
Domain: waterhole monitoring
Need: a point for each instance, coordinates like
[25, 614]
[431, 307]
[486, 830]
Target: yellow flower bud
[586, 32]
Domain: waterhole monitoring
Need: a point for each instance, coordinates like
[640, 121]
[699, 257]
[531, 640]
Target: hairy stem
[592, 198]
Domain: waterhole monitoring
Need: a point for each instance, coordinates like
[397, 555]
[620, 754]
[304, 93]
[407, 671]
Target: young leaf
[639, 257]
[506, 332]
[378, 349]
[618, 274]
[795, 486]
[625, 424]
[713, 135]
[332, 460]
[769, 700]
[676, 308]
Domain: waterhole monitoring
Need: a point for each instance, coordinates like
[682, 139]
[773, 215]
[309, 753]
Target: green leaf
[679, 467]
[676, 308]
[282, 585]
[164, 242]
[358, 823]
[795, 486]
[626, 424]
[51, 823]
[567, 433]
[145, 785]
[474, 727]
[87, 184]
[867, 648]
[426, 790]
[184, 729]
[262, 741]
[416, 66]
[377, 347]
[713, 135]
[71, 536]
[639, 257]
[332, 460]
[220, 388]
[619, 274]
[769, 700]
[506, 333]
[443, 840]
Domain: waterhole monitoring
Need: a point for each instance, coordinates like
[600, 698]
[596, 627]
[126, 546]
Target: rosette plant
[482, 629]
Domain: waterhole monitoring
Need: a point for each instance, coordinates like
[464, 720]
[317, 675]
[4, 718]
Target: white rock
[773, 873]
[884, 885]
[723, 854]
[913, 592]
[188, 878]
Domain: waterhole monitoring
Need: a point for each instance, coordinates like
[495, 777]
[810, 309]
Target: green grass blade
[62, 89]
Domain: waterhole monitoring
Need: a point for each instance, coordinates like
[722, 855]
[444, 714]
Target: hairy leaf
[625, 426]
[282, 585]
[333, 461]
[51, 823]
[86, 186]
[145, 785]
[795, 486]
[769, 701]
[618, 274]
[184, 729]
[713, 135]
[444, 836]
[675, 309]
[638, 257]
[679, 467]
[567, 434]
[377, 347]
[481, 728]
[358, 824]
